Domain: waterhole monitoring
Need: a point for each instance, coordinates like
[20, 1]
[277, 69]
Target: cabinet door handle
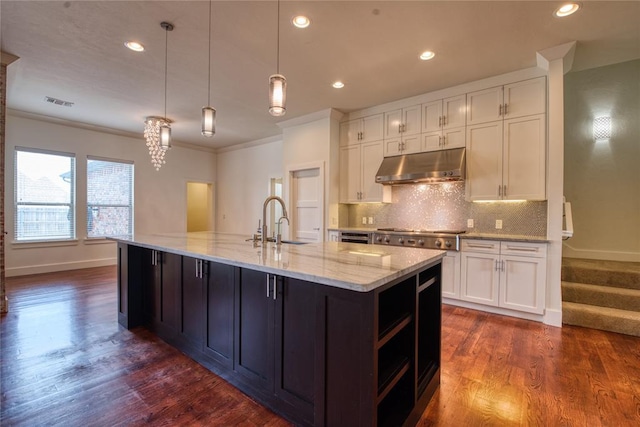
[439, 141]
[444, 120]
[275, 287]
[504, 110]
[496, 269]
[153, 257]
[504, 191]
[268, 296]
[500, 110]
[499, 190]
[444, 141]
[502, 263]
[439, 121]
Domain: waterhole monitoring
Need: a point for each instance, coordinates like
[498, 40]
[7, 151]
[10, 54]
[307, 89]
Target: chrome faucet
[264, 217]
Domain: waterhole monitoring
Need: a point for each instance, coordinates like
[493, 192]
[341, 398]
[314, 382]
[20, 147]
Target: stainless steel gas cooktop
[418, 238]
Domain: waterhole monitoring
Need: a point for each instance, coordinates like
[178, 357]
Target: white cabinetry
[402, 131]
[504, 274]
[519, 99]
[443, 124]
[366, 129]
[358, 167]
[507, 160]
[451, 275]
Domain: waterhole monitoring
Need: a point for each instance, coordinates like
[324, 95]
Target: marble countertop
[352, 266]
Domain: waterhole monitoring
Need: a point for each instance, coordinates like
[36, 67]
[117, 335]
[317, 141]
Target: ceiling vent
[57, 101]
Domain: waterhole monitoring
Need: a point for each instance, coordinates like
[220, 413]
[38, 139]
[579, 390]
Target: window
[44, 195]
[109, 198]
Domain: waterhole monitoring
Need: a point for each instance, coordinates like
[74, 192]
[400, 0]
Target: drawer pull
[522, 248]
[475, 245]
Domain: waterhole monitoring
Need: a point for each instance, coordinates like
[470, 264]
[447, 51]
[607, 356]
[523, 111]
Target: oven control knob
[378, 238]
[421, 242]
[447, 243]
[400, 240]
[386, 239]
[438, 243]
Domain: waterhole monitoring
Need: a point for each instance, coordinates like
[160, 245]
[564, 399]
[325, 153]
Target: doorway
[199, 206]
[307, 204]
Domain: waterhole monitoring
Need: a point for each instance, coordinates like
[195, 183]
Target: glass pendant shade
[208, 121]
[277, 95]
[165, 136]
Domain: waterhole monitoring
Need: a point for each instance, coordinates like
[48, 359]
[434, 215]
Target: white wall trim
[101, 129]
[257, 142]
[569, 251]
[52, 268]
[494, 310]
[553, 318]
[328, 113]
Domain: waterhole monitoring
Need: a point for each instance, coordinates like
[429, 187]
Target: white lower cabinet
[504, 274]
[451, 275]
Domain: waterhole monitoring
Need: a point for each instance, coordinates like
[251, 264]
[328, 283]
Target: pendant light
[165, 128]
[157, 130]
[208, 112]
[277, 82]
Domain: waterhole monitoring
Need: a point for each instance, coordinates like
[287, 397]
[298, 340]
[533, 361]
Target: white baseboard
[494, 310]
[52, 268]
[571, 252]
[553, 318]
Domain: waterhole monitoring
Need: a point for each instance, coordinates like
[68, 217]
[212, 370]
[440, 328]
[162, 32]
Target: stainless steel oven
[363, 237]
[429, 239]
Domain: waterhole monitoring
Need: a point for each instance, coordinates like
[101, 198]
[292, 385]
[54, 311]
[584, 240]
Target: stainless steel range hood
[430, 167]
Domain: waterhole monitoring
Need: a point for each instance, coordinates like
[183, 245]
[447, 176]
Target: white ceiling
[74, 51]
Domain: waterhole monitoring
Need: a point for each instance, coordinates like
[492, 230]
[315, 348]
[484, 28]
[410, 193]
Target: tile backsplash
[443, 206]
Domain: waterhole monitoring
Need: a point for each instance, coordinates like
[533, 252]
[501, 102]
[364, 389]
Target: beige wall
[200, 213]
[160, 199]
[243, 185]
[602, 179]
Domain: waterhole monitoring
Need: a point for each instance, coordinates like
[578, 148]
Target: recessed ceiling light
[567, 9]
[135, 46]
[427, 55]
[338, 85]
[301, 21]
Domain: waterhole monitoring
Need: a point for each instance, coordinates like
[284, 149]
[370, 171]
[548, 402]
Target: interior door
[307, 202]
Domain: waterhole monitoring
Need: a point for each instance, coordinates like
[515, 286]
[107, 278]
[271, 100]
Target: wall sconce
[602, 128]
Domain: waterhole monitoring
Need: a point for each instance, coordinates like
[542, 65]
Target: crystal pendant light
[157, 130]
[277, 83]
[208, 112]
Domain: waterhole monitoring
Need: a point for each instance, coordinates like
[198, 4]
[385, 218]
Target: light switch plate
[498, 224]
[470, 223]
[364, 219]
[370, 220]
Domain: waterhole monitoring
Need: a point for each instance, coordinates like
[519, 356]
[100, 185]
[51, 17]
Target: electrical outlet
[370, 220]
[470, 223]
[364, 219]
[498, 224]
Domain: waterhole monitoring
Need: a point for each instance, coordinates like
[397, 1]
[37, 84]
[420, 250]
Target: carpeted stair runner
[601, 295]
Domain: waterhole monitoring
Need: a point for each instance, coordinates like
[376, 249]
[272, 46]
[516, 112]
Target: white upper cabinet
[514, 100]
[403, 122]
[507, 160]
[367, 129]
[359, 164]
[444, 114]
[402, 145]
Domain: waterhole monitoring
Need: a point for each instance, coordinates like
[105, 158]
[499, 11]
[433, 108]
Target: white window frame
[71, 205]
[102, 238]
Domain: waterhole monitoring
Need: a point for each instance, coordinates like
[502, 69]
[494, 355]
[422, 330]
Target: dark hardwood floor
[66, 361]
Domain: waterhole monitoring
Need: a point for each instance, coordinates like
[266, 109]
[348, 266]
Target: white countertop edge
[358, 287]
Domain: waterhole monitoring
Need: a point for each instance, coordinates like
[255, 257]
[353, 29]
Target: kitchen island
[325, 334]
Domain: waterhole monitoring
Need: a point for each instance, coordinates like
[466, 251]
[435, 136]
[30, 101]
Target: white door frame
[287, 188]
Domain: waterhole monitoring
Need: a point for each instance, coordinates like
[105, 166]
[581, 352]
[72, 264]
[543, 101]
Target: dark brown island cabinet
[317, 355]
